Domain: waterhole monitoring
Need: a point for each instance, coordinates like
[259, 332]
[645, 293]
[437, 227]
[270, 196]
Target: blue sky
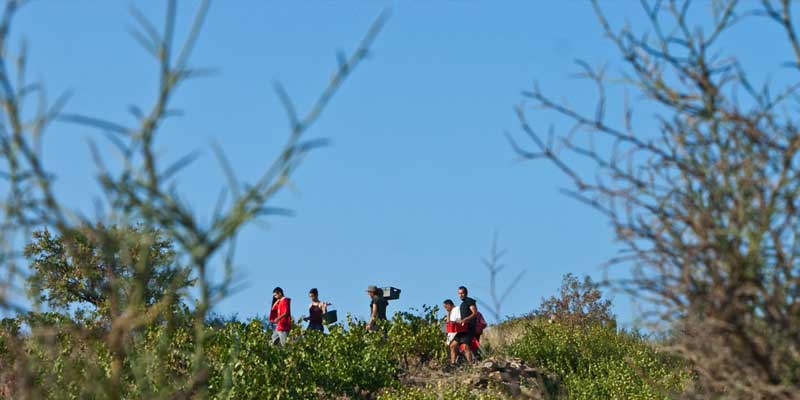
[418, 176]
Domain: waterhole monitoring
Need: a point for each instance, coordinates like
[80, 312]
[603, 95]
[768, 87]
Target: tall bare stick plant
[494, 266]
[143, 191]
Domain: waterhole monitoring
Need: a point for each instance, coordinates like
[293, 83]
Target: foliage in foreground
[437, 392]
[596, 361]
[584, 352]
[133, 278]
[701, 194]
[349, 362]
[591, 361]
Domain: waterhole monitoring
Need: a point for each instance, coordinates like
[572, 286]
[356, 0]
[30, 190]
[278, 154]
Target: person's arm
[272, 313]
[374, 314]
[324, 307]
[284, 315]
[474, 313]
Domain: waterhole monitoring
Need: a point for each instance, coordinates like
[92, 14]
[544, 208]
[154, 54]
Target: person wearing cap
[377, 307]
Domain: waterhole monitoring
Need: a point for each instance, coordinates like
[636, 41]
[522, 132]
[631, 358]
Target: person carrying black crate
[377, 307]
[316, 310]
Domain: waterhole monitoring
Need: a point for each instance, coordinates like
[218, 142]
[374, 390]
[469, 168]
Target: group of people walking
[280, 315]
[464, 323]
[464, 326]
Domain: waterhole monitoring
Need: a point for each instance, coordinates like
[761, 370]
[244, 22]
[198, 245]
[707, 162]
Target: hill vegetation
[579, 355]
[702, 201]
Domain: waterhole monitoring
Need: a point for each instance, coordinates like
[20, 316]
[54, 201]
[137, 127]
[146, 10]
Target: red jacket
[282, 306]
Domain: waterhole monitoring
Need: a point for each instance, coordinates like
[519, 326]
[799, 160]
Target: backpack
[480, 324]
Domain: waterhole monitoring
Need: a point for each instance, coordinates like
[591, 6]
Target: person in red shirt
[281, 316]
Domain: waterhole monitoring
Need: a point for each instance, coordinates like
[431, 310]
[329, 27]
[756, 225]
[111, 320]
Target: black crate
[329, 317]
[391, 293]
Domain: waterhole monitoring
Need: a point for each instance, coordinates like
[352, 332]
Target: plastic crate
[329, 317]
[391, 293]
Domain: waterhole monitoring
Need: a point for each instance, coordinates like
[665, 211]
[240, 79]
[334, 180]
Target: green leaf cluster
[439, 391]
[597, 361]
[99, 268]
[349, 361]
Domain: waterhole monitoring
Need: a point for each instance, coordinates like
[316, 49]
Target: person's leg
[453, 347]
[475, 348]
[283, 336]
[275, 337]
[467, 343]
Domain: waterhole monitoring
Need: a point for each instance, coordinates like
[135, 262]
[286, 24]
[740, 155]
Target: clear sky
[418, 176]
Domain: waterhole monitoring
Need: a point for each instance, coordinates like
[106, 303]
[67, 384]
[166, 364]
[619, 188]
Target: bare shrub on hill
[705, 206]
[578, 303]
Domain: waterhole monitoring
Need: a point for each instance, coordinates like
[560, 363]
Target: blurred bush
[597, 361]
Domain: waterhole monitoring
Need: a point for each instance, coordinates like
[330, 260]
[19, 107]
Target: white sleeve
[455, 314]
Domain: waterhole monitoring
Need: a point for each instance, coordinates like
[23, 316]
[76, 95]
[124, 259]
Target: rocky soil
[509, 376]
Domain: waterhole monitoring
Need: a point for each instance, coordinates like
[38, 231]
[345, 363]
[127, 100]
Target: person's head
[277, 293]
[313, 294]
[372, 290]
[462, 292]
[448, 305]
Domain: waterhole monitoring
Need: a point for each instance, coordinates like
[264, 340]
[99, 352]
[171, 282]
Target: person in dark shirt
[469, 311]
[377, 307]
[468, 308]
[315, 311]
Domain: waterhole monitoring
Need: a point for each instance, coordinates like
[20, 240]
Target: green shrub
[347, 362]
[344, 362]
[598, 361]
[417, 338]
[590, 362]
[437, 392]
[242, 364]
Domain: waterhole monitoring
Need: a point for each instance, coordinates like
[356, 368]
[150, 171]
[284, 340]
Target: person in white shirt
[456, 332]
[453, 317]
